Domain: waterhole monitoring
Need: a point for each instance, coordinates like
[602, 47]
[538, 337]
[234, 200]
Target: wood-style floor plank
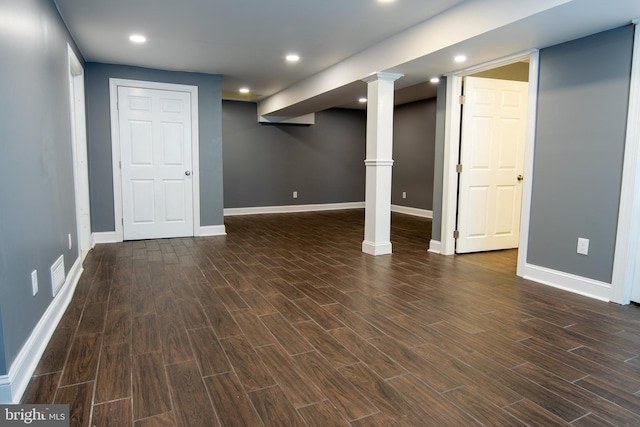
[78, 397]
[274, 408]
[113, 414]
[342, 394]
[150, 388]
[114, 373]
[231, 401]
[208, 352]
[294, 383]
[286, 334]
[42, 389]
[163, 420]
[322, 414]
[246, 363]
[190, 399]
[82, 360]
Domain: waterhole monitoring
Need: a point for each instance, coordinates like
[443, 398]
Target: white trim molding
[13, 385]
[435, 246]
[371, 248]
[423, 213]
[258, 210]
[530, 142]
[115, 146]
[104, 237]
[568, 282]
[79, 150]
[212, 230]
[626, 273]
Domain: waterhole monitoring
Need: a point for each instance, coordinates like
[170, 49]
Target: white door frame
[452, 151]
[115, 146]
[79, 152]
[626, 262]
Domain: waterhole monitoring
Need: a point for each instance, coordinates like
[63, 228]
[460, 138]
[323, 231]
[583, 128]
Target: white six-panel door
[492, 158]
[156, 163]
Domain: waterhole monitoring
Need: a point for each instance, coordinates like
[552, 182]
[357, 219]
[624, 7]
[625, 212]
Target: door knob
[520, 178]
[187, 173]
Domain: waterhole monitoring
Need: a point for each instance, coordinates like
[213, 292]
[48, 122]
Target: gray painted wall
[99, 138]
[265, 164]
[441, 108]
[36, 168]
[414, 132]
[580, 133]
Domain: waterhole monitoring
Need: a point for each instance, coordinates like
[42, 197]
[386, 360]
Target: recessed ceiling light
[434, 80]
[244, 90]
[386, 1]
[362, 100]
[460, 58]
[137, 38]
[292, 57]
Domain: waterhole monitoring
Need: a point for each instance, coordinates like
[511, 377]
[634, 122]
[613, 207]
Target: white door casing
[79, 151]
[492, 157]
[155, 159]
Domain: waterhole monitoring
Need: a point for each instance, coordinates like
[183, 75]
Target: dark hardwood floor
[284, 322]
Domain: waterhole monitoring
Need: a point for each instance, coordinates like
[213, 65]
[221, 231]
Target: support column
[377, 224]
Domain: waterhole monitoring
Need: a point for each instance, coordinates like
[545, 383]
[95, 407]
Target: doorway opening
[499, 69]
[154, 206]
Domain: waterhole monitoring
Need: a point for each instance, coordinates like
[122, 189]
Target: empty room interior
[286, 213]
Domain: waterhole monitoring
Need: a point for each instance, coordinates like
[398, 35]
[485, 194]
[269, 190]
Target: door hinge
[456, 234]
[459, 168]
[462, 99]
[120, 164]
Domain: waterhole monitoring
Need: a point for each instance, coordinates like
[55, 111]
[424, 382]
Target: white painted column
[377, 225]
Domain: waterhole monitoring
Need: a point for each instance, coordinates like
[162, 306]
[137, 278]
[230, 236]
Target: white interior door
[156, 163]
[492, 157]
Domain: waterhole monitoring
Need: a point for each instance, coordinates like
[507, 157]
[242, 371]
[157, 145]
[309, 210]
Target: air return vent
[57, 275]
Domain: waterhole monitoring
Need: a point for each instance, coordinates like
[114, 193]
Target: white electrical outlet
[295, 194]
[34, 282]
[70, 241]
[583, 246]
[404, 194]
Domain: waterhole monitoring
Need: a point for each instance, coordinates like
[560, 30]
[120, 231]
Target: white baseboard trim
[412, 211]
[568, 282]
[212, 230]
[435, 246]
[376, 249]
[292, 208]
[104, 237]
[13, 385]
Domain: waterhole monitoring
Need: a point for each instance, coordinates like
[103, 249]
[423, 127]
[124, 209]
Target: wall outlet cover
[583, 246]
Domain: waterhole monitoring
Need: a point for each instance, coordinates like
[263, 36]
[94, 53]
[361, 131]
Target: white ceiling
[246, 40]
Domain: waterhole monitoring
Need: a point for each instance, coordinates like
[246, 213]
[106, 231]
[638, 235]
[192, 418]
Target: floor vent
[57, 275]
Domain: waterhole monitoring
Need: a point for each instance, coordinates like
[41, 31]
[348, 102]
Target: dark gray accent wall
[414, 132]
[36, 169]
[580, 133]
[97, 77]
[438, 163]
[265, 164]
